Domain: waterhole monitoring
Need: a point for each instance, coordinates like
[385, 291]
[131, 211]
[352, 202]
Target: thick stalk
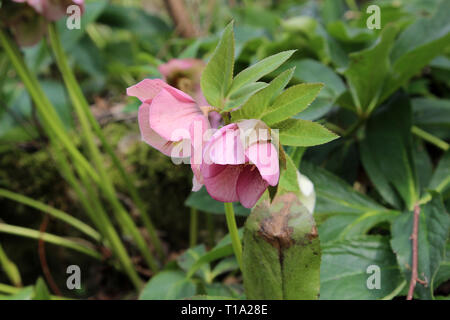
[77, 98]
[82, 105]
[233, 230]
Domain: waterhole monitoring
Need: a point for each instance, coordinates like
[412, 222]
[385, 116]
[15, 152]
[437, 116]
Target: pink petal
[147, 89]
[220, 181]
[196, 185]
[250, 187]
[265, 157]
[150, 136]
[225, 147]
[199, 132]
[171, 117]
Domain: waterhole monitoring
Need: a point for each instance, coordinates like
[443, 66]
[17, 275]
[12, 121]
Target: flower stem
[430, 138]
[193, 228]
[232, 228]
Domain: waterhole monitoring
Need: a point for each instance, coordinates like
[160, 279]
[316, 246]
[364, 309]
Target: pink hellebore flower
[168, 117]
[185, 75]
[52, 10]
[239, 163]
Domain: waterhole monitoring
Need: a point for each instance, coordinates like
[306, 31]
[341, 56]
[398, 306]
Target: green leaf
[387, 153]
[202, 201]
[222, 249]
[368, 69]
[303, 133]
[218, 74]
[342, 227]
[308, 70]
[190, 257]
[224, 266]
[440, 181]
[281, 251]
[256, 106]
[443, 273]
[292, 101]
[41, 291]
[417, 46]
[434, 226]
[168, 285]
[343, 272]
[26, 293]
[288, 177]
[258, 70]
[345, 33]
[335, 196]
[239, 98]
[431, 112]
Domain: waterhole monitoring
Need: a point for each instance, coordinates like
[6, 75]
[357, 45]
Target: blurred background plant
[107, 198]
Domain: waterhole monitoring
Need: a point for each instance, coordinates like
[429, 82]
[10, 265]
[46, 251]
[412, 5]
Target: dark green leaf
[344, 275]
[387, 153]
[368, 70]
[434, 226]
[168, 285]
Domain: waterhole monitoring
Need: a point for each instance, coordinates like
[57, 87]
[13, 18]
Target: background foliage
[385, 92]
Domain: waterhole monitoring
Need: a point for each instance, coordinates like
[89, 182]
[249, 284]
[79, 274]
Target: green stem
[396, 291]
[86, 229]
[55, 130]
[10, 268]
[430, 138]
[4, 288]
[210, 226]
[233, 230]
[100, 218]
[193, 228]
[51, 120]
[81, 106]
[79, 99]
[50, 238]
